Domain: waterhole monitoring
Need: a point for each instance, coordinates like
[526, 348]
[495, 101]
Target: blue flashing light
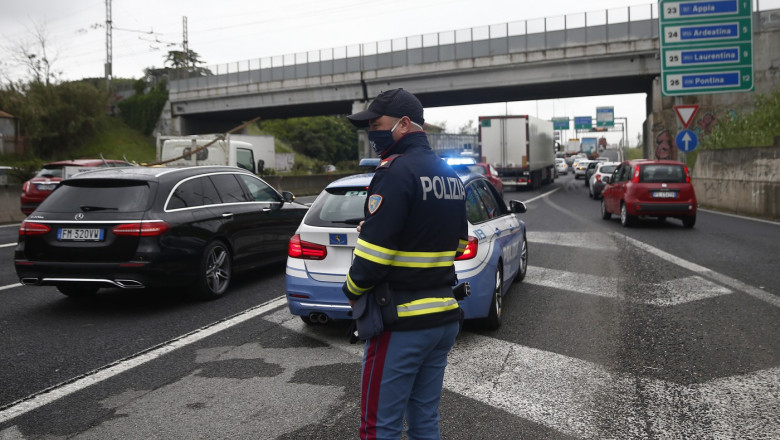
[460, 161]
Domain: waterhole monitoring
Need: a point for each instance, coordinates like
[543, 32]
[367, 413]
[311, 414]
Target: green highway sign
[738, 54]
[706, 46]
[583, 123]
[605, 116]
[560, 123]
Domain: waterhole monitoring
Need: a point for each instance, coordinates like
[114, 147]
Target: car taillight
[30, 228]
[598, 177]
[26, 186]
[635, 179]
[298, 248]
[687, 176]
[470, 251]
[145, 229]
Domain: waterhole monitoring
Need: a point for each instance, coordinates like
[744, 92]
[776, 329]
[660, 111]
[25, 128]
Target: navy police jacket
[415, 224]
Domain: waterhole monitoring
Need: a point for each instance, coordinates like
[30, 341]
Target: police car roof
[365, 180]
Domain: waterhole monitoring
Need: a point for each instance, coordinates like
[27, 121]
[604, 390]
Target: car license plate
[80, 234]
[664, 194]
[46, 186]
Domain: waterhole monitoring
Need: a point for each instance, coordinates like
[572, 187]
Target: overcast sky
[227, 31]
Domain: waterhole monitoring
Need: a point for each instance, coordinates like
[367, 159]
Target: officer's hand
[360, 225]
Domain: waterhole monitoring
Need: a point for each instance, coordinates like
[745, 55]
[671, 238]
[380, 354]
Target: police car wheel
[493, 321]
[521, 271]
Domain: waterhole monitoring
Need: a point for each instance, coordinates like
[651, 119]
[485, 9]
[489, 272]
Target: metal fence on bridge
[571, 30]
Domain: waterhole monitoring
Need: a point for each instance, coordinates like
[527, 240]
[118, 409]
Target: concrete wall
[744, 181]
[10, 206]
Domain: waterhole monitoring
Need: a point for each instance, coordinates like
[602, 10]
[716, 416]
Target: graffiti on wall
[665, 147]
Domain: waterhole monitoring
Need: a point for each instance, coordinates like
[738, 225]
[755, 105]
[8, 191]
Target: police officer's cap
[397, 103]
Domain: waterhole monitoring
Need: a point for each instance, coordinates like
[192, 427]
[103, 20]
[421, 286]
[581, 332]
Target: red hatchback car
[35, 190]
[653, 188]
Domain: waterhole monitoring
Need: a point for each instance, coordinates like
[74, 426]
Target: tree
[35, 56]
[327, 138]
[468, 128]
[185, 64]
[55, 117]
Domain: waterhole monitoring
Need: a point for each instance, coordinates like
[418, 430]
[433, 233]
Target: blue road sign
[686, 141]
[708, 8]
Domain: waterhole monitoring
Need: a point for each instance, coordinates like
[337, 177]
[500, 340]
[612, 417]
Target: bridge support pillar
[359, 106]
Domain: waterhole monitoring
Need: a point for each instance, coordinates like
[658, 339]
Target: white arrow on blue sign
[687, 141]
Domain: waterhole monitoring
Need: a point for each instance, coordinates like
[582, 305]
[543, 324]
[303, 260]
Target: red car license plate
[665, 194]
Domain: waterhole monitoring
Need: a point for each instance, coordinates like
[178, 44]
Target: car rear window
[608, 169]
[661, 173]
[338, 206]
[49, 172]
[98, 195]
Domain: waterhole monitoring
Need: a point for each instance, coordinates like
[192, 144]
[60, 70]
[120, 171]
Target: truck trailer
[520, 148]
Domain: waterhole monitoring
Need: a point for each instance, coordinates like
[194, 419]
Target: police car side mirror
[517, 207]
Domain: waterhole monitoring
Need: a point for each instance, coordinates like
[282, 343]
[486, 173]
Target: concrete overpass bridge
[587, 54]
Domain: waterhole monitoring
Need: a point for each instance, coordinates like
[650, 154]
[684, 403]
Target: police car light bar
[460, 161]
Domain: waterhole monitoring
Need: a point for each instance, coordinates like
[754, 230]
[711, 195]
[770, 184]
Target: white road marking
[586, 400]
[10, 286]
[664, 293]
[541, 195]
[720, 278]
[568, 395]
[79, 383]
[7, 245]
[596, 241]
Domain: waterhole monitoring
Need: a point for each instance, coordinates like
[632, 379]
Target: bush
[54, 117]
[756, 129]
[141, 111]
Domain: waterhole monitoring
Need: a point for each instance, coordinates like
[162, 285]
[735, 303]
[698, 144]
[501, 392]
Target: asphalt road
[654, 331]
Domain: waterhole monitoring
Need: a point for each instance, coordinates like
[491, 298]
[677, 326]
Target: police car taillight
[471, 249]
[298, 248]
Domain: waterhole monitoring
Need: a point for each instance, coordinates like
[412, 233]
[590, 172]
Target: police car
[321, 251]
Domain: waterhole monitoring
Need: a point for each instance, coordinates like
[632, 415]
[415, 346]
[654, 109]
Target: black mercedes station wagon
[141, 227]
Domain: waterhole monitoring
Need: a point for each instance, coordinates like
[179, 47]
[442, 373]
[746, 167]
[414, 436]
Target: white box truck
[572, 147]
[520, 148]
[211, 149]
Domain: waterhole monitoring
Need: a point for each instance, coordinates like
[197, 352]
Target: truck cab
[185, 151]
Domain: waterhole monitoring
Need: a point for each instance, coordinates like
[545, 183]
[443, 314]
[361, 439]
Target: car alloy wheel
[523, 261]
[493, 321]
[625, 219]
[215, 272]
[604, 213]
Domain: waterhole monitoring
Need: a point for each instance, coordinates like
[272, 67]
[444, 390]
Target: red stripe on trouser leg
[373, 365]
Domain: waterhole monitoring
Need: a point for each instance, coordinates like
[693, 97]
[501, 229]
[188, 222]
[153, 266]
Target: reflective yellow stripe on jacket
[389, 257]
[354, 288]
[426, 306]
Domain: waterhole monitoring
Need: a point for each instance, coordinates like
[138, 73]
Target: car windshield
[662, 173]
[98, 195]
[338, 206]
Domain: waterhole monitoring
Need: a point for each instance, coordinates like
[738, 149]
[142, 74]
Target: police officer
[415, 225]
